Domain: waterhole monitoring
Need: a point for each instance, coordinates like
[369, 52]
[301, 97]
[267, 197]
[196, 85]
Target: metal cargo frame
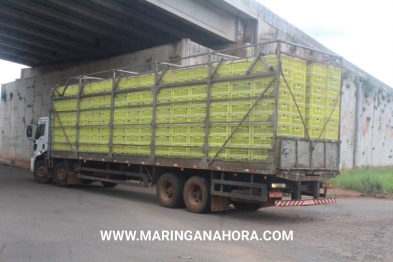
[268, 167]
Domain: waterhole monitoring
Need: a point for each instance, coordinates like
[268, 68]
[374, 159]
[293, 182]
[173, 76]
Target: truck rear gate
[242, 123]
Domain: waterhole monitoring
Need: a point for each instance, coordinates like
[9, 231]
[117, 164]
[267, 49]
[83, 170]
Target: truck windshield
[40, 131]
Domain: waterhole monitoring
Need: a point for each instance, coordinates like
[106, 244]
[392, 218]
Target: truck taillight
[279, 185]
[326, 185]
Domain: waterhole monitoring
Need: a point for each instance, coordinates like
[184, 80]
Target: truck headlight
[278, 185]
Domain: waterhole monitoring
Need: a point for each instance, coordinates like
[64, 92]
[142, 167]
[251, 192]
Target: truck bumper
[32, 161]
[308, 202]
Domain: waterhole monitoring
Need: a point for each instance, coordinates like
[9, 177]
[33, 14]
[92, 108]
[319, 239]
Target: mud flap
[219, 203]
[73, 179]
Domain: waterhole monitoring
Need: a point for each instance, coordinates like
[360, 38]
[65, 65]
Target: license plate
[275, 194]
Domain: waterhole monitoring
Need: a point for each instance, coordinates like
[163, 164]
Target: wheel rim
[41, 173]
[167, 190]
[61, 174]
[195, 195]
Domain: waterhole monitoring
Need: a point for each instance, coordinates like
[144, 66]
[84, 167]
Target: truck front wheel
[197, 195]
[170, 190]
[41, 172]
[246, 206]
[61, 175]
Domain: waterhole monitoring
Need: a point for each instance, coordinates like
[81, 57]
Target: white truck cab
[40, 140]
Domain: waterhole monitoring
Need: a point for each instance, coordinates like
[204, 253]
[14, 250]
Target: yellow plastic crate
[219, 117]
[284, 107]
[196, 129]
[262, 141]
[296, 119]
[168, 77]
[217, 140]
[299, 87]
[299, 65]
[284, 118]
[240, 140]
[332, 123]
[299, 76]
[162, 151]
[178, 151]
[146, 80]
[332, 92]
[198, 92]
[165, 95]
[62, 147]
[315, 100]
[196, 139]
[297, 131]
[181, 75]
[180, 94]
[285, 95]
[221, 90]
[163, 139]
[315, 79]
[317, 110]
[284, 129]
[71, 90]
[333, 71]
[335, 114]
[224, 153]
[128, 82]
[199, 73]
[330, 133]
[225, 69]
[332, 101]
[316, 90]
[316, 68]
[242, 89]
[258, 155]
[179, 139]
[238, 154]
[333, 82]
[315, 132]
[263, 129]
[315, 121]
[195, 152]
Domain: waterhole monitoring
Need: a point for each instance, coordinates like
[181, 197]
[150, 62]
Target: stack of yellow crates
[316, 90]
[332, 102]
[289, 116]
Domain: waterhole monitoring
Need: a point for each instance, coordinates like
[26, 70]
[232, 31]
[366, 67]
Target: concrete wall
[31, 96]
[366, 108]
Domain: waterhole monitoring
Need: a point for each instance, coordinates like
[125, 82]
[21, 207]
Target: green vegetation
[369, 181]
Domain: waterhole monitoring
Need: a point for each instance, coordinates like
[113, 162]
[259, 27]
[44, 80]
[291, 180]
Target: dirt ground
[48, 223]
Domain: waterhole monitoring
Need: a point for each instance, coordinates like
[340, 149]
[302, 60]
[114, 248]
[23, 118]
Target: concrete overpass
[60, 39]
[48, 32]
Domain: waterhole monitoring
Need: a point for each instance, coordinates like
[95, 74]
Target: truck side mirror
[29, 131]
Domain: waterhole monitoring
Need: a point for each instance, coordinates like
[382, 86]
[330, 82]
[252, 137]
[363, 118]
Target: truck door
[40, 138]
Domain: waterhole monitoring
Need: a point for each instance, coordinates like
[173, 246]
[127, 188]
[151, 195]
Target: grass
[369, 181]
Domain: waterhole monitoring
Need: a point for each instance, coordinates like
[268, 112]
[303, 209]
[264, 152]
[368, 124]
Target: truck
[254, 131]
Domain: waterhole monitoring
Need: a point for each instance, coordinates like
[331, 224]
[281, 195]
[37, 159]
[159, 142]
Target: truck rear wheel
[61, 175]
[246, 206]
[41, 172]
[108, 184]
[170, 190]
[197, 195]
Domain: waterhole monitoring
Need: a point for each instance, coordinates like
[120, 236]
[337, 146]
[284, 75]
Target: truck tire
[169, 190]
[108, 184]
[246, 206]
[197, 195]
[61, 175]
[40, 173]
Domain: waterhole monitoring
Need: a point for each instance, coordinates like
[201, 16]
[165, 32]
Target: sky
[360, 31]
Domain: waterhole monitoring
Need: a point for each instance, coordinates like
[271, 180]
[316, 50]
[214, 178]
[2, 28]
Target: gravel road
[48, 223]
